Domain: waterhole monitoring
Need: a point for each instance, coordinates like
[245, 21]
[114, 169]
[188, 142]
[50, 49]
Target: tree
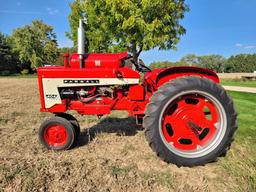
[35, 44]
[60, 61]
[213, 62]
[8, 61]
[190, 59]
[241, 63]
[133, 25]
[163, 64]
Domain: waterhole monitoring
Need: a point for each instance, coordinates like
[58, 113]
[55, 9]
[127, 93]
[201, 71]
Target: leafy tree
[73, 18]
[213, 62]
[190, 59]
[133, 25]
[5, 51]
[35, 44]
[8, 61]
[163, 64]
[241, 63]
[63, 50]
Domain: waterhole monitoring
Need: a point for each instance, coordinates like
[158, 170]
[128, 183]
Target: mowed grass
[112, 153]
[240, 163]
[19, 76]
[238, 82]
[227, 82]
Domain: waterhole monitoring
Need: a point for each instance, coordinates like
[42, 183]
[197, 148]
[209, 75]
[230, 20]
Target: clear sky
[223, 27]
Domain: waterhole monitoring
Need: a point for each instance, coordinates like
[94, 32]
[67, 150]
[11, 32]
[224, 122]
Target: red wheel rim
[56, 135]
[190, 123]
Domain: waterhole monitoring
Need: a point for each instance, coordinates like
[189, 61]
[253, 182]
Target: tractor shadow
[120, 126]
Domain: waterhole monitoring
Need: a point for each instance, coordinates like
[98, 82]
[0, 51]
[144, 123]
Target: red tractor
[188, 117]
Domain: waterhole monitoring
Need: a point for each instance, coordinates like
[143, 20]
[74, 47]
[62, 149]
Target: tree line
[130, 25]
[35, 45]
[218, 63]
[136, 26]
[112, 26]
[29, 47]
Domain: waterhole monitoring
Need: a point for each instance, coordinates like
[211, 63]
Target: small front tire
[56, 133]
[72, 120]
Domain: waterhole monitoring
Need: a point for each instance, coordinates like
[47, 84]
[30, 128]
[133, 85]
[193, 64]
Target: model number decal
[90, 81]
[52, 96]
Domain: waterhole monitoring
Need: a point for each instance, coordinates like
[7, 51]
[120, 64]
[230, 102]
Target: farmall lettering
[189, 119]
[86, 81]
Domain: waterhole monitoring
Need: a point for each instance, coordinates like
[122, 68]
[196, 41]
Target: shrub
[24, 72]
[5, 73]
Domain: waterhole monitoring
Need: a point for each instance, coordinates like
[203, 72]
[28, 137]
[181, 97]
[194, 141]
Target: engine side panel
[51, 85]
[52, 78]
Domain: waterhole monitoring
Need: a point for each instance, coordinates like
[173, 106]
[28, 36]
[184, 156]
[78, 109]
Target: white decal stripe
[50, 86]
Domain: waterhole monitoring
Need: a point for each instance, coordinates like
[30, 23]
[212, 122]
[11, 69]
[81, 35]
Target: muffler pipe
[80, 41]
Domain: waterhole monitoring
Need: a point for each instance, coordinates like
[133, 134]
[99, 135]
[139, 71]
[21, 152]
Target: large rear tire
[190, 121]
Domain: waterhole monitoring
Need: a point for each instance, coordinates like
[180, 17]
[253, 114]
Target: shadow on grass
[120, 126]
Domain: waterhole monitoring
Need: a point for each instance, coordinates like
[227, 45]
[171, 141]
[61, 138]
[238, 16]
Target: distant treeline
[36, 45]
[29, 47]
[218, 63]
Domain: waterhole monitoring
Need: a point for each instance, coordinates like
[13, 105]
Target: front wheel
[72, 120]
[190, 121]
[57, 133]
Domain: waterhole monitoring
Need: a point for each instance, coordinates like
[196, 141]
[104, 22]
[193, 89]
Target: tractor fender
[167, 74]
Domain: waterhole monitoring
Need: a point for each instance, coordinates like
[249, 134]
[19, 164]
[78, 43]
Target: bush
[24, 72]
[5, 73]
[163, 64]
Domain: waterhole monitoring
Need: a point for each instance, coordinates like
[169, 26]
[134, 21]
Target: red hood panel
[99, 60]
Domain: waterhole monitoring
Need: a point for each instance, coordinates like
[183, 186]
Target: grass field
[19, 76]
[238, 82]
[227, 82]
[112, 155]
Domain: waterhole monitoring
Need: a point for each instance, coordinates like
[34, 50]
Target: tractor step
[139, 119]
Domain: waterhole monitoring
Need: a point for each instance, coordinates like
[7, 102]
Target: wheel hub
[56, 135]
[189, 123]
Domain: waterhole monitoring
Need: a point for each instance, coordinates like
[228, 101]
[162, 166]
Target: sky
[225, 27]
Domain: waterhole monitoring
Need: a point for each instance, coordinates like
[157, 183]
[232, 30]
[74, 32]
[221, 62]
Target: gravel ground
[240, 89]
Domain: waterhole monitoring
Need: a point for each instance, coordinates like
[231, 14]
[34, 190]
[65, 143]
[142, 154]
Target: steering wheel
[140, 66]
[143, 67]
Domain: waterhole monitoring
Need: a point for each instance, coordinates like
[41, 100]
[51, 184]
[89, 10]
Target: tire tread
[174, 86]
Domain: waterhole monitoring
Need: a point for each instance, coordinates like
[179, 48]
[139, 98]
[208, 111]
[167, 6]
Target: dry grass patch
[112, 155]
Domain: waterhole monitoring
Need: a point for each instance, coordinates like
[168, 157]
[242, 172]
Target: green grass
[18, 76]
[241, 160]
[238, 82]
[246, 106]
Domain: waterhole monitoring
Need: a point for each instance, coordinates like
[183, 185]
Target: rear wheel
[57, 133]
[190, 121]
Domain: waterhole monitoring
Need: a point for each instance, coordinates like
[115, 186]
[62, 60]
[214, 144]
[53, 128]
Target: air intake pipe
[80, 41]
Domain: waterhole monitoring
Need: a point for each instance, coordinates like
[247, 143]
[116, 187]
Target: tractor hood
[98, 60]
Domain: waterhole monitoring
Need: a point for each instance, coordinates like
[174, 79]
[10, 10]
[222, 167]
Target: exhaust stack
[80, 41]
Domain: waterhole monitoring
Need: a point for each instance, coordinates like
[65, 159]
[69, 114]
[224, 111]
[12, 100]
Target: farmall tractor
[188, 117]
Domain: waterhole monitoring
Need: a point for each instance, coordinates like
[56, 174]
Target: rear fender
[169, 74]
